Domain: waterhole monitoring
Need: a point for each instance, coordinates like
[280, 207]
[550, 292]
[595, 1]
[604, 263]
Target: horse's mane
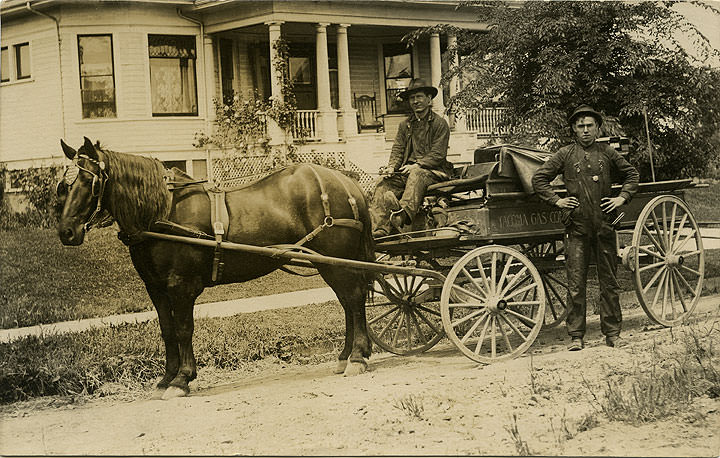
[137, 193]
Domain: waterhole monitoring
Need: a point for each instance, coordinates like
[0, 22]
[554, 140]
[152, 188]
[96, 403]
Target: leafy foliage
[38, 186]
[542, 59]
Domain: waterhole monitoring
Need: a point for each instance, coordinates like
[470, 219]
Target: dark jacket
[432, 142]
[588, 174]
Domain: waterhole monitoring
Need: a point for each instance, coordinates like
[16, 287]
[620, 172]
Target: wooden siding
[30, 120]
[30, 124]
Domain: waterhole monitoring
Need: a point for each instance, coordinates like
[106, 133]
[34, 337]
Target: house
[141, 75]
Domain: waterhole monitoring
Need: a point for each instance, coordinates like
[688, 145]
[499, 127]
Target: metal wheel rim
[414, 327]
[506, 324]
[668, 224]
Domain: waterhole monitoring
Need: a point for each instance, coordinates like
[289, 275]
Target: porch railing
[484, 121]
[306, 122]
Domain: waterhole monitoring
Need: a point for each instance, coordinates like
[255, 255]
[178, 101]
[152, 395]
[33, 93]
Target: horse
[279, 209]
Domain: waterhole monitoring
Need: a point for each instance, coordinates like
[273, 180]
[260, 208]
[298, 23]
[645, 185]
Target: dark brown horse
[281, 208]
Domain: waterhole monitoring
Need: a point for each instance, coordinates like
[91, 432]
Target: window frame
[7, 65]
[392, 50]
[18, 61]
[195, 74]
[112, 65]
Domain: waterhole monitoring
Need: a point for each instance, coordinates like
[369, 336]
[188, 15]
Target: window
[182, 165]
[97, 79]
[22, 60]
[4, 64]
[300, 70]
[398, 73]
[172, 75]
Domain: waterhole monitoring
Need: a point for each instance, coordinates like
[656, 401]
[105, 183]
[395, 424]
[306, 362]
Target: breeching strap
[329, 221]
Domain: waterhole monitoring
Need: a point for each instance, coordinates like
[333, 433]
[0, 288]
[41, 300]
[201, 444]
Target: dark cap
[418, 85]
[586, 110]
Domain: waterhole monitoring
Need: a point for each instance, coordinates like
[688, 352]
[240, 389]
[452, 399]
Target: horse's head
[80, 192]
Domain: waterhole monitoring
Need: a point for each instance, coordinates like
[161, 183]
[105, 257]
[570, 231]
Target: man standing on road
[588, 212]
[417, 160]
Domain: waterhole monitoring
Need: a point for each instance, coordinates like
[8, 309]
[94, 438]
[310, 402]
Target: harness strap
[329, 221]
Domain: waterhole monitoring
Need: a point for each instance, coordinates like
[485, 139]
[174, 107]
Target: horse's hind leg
[167, 329]
[351, 289]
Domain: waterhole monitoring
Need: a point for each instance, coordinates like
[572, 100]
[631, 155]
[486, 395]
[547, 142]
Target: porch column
[274, 132]
[349, 121]
[436, 73]
[456, 118]
[209, 74]
[327, 122]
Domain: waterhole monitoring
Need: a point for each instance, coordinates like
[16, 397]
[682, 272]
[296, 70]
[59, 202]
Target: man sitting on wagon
[588, 211]
[417, 160]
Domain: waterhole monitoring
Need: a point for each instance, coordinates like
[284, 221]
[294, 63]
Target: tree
[541, 59]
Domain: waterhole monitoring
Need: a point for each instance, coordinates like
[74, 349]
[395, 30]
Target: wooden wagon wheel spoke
[474, 327]
[486, 329]
[652, 266]
[505, 337]
[481, 339]
[558, 297]
[654, 242]
[383, 315]
[660, 236]
[393, 322]
[474, 281]
[514, 328]
[680, 228]
[651, 253]
[668, 287]
[672, 224]
[679, 290]
[653, 279]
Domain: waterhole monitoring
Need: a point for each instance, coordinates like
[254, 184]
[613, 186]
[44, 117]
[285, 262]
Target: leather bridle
[97, 189]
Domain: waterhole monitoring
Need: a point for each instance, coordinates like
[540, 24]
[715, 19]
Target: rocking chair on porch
[367, 113]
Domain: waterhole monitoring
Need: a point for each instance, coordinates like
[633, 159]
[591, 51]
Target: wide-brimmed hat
[586, 110]
[417, 85]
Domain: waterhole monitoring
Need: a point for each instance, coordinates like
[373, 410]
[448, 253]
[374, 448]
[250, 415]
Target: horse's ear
[90, 149]
[68, 150]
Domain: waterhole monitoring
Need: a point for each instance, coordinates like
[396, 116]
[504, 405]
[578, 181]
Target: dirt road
[436, 403]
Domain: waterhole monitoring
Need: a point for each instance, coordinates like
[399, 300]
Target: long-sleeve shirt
[422, 141]
[588, 175]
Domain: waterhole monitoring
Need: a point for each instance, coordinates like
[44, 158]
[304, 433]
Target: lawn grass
[45, 282]
[133, 355]
[42, 281]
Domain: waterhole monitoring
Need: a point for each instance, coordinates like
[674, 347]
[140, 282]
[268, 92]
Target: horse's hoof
[158, 393]
[355, 368]
[175, 392]
[341, 365]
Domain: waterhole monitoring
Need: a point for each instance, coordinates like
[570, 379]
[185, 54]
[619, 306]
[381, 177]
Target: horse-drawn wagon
[500, 251]
[486, 267]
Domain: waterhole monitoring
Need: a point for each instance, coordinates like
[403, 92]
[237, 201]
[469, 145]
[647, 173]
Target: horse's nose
[66, 234]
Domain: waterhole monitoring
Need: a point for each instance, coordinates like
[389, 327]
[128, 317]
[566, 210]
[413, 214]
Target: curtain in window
[172, 74]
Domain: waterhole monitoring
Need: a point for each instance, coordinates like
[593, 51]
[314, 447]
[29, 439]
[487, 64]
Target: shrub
[38, 186]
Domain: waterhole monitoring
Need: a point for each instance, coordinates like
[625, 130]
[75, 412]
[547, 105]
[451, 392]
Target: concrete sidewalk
[208, 310]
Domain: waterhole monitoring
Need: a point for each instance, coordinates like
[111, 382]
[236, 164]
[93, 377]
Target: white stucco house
[141, 75]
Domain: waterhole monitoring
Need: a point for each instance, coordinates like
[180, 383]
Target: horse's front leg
[167, 330]
[183, 293]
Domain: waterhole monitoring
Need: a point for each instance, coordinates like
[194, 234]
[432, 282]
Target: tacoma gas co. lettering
[515, 220]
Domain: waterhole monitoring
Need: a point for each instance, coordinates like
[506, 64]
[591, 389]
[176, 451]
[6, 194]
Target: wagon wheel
[668, 260]
[403, 312]
[546, 256]
[483, 310]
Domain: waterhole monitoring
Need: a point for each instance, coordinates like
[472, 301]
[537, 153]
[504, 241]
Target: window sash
[173, 83]
[4, 64]
[97, 76]
[22, 60]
